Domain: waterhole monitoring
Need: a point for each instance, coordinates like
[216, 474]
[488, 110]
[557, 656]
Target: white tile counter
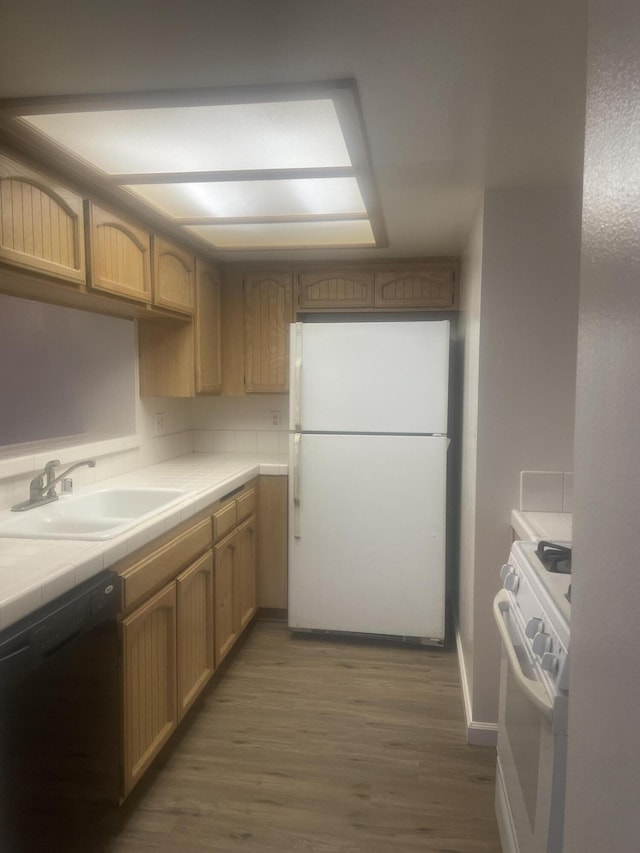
[554, 526]
[33, 572]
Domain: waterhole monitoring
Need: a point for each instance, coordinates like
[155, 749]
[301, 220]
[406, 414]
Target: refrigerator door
[367, 534]
[370, 377]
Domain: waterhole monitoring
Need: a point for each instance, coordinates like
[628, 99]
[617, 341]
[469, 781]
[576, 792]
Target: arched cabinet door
[432, 286]
[41, 224]
[119, 255]
[208, 352]
[336, 290]
[268, 313]
[173, 276]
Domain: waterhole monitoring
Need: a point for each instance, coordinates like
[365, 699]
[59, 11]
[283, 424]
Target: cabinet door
[41, 224]
[335, 290]
[119, 255]
[268, 301]
[226, 617]
[429, 287]
[149, 682]
[173, 276]
[195, 630]
[246, 571]
[272, 542]
[208, 354]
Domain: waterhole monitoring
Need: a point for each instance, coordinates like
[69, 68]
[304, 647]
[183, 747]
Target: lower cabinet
[148, 643]
[235, 585]
[194, 589]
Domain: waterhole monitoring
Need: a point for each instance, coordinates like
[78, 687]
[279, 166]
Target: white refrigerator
[368, 467]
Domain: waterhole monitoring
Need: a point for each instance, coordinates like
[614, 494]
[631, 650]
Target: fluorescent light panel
[256, 138]
[220, 137]
[293, 197]
[287, 235]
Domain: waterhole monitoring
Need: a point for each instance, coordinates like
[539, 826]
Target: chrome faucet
[42, 487]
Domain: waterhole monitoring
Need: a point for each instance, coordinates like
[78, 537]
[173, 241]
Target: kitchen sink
[100, 514]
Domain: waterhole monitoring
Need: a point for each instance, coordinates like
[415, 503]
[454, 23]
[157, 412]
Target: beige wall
[523, 357]
[603, 776]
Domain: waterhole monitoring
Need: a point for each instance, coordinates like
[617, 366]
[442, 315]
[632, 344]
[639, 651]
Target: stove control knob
[512, 582]
[541, 643]
[549, 663]
[505, 570]
[534, 626]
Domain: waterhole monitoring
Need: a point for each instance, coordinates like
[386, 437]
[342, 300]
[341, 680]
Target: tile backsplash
[255, 424]
[546, 491]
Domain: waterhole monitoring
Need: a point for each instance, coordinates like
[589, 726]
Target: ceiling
[456, 95]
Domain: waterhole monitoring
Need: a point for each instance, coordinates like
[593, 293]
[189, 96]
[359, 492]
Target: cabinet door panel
[208, 354]
[195, 630]
[246, 571]
[173, 276]
[149, 682]
[119, 254]
[430, 287]
[226, 617]
[335, 289]
[268, 313]
[41, 224]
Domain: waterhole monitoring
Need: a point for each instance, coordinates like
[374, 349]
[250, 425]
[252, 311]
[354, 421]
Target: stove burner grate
[555, 558]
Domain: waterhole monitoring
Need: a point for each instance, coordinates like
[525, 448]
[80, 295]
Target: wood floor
[307, 744]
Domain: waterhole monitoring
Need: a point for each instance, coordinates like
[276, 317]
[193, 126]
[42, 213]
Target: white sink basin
[97, 515]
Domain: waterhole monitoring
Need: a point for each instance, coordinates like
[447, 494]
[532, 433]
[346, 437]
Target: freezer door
[370, 377]
[367, 534]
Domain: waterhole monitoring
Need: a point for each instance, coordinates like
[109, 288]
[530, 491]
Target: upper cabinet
[119, 255]
[208, 353]
[41, 224]
[267, 314]
[426, 287]
[173, 276]
[334, 290]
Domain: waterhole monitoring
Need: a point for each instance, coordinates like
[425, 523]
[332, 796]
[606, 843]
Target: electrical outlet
[274, 417]
[159, 423]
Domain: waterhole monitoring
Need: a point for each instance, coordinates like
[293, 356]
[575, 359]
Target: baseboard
[478, 733]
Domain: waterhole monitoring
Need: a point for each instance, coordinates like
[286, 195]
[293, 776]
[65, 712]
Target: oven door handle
[533, 690]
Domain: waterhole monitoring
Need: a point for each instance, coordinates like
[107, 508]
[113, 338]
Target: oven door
[532, 747]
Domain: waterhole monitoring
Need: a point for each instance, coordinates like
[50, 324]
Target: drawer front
[162, 565]
[224, 520]
[246, 504]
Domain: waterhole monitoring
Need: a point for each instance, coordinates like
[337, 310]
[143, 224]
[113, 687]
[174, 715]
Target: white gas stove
[532, 612]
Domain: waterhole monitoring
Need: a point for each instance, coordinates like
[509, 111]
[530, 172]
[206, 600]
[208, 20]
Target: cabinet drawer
[224, 520]
[163, 564]
[246, 504]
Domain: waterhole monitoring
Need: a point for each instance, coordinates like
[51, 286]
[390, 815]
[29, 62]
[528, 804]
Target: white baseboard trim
[478, 733]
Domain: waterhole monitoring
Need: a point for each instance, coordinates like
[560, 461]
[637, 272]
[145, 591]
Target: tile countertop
[34, 572]
[554, 526]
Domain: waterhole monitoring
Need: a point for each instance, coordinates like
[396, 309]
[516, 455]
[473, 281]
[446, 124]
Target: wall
[603, 774]
[525, 363]
[65, 372]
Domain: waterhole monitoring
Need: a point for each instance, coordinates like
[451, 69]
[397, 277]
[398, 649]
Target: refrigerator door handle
[296, 486]
[297, 379]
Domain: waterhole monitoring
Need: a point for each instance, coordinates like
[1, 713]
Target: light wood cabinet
[207, 343]
[226, 619]
[268, 313]
[41, 224]
[334, 289]
[194, 630]
[173, 276]
[272, 577]
[246, 571]
[427, 287]
[119, 253]
[148, 640]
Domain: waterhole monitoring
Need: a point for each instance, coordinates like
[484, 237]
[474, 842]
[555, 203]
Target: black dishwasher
[59, 716]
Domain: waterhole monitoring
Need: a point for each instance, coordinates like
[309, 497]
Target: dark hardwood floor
[306, 744]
